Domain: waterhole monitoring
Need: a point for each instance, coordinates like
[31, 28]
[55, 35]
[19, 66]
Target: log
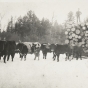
[86, 45]
[74, 39]
[85, 34]
[70, 33]
[67, 41]
[73, 29]
[86, 31]
[76, 36]
[73, 35]
[79, 37]
[66, 32]
[77, 31]
[70, 37]
[84, 28]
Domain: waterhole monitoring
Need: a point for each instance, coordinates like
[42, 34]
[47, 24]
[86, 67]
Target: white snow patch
[44, 73]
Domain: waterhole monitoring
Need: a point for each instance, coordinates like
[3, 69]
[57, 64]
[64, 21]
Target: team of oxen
[10, 48]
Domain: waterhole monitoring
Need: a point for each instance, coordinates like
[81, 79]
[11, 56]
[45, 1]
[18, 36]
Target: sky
[42, 8]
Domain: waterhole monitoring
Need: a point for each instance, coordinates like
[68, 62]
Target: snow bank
[44, 73]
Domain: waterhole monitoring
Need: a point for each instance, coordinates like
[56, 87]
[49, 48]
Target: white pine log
[73, 35]
[84, 28]
[73, 29]
[77, 31]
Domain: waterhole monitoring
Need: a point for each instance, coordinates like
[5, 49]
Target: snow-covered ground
[43, 73]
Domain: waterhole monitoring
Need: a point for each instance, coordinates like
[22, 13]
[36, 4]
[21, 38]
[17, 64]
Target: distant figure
[78, 13]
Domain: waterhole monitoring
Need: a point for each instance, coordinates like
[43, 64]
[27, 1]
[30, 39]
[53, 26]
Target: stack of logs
[77, 34]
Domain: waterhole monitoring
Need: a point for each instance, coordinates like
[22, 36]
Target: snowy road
[44, 73]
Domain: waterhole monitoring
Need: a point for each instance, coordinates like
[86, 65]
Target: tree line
[30, 29]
